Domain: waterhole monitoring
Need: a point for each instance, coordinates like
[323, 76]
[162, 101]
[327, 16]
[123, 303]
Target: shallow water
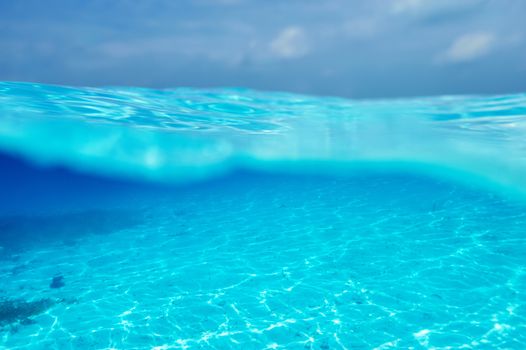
[268, 221]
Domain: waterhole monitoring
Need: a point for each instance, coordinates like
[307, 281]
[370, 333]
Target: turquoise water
[231, 218]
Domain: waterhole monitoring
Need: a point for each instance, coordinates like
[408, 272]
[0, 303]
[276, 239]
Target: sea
[230, 218]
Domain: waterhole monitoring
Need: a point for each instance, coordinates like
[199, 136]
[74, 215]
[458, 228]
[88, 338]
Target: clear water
[192, 219]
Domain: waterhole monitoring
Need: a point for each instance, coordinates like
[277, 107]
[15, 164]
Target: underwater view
[134, 218]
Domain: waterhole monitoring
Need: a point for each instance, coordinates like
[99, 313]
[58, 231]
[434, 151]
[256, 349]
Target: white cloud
[291, 42]
[468, 47]
[423, 8]
[360, 28]
[404, 6]
[173, 47]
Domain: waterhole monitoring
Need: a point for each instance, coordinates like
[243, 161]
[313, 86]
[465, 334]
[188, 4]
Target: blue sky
[362, 49]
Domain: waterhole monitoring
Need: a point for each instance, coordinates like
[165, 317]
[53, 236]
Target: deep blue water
[216, 219]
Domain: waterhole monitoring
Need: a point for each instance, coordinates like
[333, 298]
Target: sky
[349, 48]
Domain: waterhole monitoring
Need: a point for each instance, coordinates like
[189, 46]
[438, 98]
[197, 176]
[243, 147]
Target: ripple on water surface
[182, 134]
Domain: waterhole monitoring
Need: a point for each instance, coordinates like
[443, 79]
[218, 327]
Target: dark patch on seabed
[20, 311]
[18, 233]
[43, 205]
[57, 282]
